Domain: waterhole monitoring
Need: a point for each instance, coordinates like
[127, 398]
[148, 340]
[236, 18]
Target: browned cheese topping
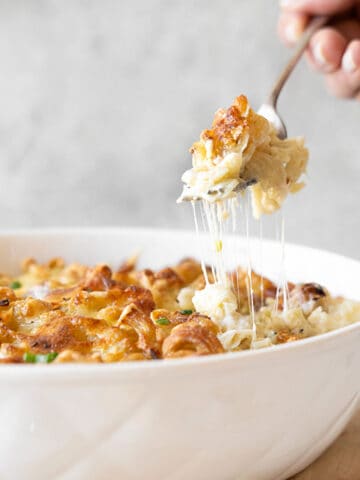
[99, 315]
[57, 313]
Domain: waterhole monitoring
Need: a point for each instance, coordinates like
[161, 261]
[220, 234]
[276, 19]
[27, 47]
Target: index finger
[319, 7]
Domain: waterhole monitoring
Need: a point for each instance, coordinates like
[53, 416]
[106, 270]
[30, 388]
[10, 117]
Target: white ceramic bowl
[258, 415]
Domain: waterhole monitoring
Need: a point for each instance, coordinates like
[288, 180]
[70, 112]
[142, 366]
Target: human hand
[334, 50]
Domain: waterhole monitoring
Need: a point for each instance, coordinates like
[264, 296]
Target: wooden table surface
[341, 461]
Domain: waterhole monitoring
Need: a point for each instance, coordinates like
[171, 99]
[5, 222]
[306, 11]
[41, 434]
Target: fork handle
[314, 25]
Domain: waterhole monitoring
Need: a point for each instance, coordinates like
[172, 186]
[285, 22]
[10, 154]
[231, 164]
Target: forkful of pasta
[248, 150]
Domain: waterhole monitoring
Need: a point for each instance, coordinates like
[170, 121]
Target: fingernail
[319, 56]
[291, 3]
[292, 32]
[348, 62]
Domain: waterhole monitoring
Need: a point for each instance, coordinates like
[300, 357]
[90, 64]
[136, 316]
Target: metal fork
[269, 108]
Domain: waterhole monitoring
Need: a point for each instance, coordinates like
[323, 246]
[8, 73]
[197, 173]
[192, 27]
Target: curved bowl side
[257, 416]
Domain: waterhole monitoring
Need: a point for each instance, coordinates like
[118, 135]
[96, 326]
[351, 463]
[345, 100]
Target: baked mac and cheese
[58, 313]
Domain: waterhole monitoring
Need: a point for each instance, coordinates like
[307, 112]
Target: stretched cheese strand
[282, 286]
[261, 261]
[249, 269]
[218, 298]
[202, 261]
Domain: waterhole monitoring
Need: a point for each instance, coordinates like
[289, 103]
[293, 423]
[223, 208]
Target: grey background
[100, 100]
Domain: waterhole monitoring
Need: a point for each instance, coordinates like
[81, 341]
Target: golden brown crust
[285, 335]
[307, 292]
[164, 286]
[93, 314]
[227, 128]
[188, 270]
[88, 314]
[194, 337]
[99, 278]
[262, 287]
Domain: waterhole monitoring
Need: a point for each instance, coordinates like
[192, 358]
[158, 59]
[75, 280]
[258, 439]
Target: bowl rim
[323, 340]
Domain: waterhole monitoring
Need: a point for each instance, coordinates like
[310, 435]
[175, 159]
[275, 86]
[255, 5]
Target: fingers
[318, 7]
[333, 51]
[351, 59]
[345, 82]
[290, 26]
[328, 45]
[326, 50]
[350, 28]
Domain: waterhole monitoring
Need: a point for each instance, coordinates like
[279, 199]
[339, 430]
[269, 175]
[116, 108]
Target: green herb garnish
[186, 312]
[162, 321]
[15, 284]
[29, 357]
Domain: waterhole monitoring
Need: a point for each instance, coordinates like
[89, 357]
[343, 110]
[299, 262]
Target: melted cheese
[241, 147]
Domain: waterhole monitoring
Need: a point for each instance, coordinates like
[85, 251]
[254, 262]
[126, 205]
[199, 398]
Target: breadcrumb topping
[97, 314]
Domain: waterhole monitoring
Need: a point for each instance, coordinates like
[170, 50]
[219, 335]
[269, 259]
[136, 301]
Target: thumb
[318, 7]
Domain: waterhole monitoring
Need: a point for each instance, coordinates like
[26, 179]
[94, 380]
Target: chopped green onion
[186, 312]
[162, 321]
[39, 358]
[15, 284]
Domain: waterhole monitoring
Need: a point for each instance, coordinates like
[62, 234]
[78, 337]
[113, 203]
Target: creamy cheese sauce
[218, 299]
[242, 148]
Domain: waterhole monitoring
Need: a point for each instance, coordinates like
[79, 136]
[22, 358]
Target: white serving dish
[257, 415]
